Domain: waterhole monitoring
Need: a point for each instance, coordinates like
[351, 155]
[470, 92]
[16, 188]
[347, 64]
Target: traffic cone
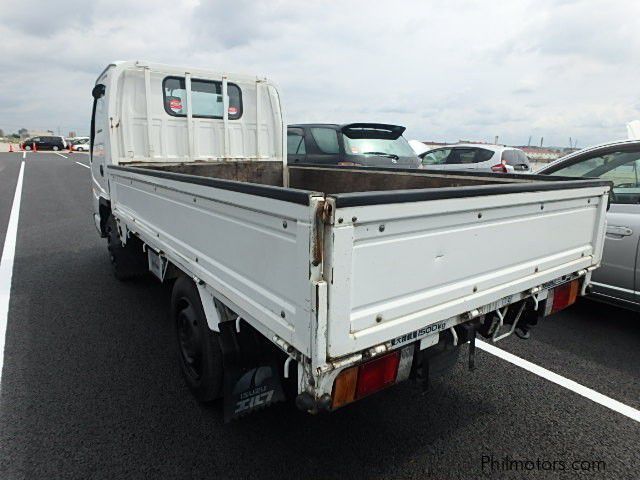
[11, 148]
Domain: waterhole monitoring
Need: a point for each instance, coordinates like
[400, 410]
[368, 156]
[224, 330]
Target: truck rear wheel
[128, 261]
[199, 351]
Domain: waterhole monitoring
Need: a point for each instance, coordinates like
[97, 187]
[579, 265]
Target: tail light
[500, 167]
[344, 388]
[561, 297]
[358, 382]
[377, 374]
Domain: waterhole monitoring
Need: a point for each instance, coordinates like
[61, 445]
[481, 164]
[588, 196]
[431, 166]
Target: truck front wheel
[128, 260]
[199, 351]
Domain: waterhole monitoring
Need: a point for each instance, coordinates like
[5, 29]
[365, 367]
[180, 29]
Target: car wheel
[55, 149]
[199, 351]
[27, 148]
[128, 261]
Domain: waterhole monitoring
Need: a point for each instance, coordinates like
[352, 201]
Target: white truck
[323, 284]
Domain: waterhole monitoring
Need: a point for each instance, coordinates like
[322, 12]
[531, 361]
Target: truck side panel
[399, 267]
[252, 250]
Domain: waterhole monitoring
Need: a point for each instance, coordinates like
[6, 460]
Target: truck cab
[148, 113]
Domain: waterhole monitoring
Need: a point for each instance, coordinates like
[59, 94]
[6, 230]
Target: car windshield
[378, 146]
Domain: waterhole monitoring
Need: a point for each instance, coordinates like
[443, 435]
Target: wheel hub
[190, 338]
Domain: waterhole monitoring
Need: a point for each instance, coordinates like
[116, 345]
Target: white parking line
[6, 263]
[61, 155]
[24, 154]
[586, 392]
[83, 165]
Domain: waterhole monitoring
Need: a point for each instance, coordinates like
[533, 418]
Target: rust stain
[323, 211]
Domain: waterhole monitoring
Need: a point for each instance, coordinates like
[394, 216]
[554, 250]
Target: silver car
[476, 157]
[617, 281]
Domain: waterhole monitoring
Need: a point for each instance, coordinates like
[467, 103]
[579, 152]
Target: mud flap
[251, 374]
[248, 390]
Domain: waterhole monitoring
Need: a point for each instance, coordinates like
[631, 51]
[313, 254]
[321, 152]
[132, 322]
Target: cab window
[206, 98]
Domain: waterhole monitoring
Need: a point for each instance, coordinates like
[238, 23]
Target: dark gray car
[353, 144]
[618, 279]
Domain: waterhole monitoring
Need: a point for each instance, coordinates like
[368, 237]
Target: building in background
[545, 154]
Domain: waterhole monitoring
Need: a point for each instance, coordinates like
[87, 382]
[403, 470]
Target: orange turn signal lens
[344, 388]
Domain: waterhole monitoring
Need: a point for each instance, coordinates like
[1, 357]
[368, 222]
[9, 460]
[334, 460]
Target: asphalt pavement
[91, 387]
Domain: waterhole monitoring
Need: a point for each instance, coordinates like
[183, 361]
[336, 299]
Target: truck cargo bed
[400, 249]
[333, 180]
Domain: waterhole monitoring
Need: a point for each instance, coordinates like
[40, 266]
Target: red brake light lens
[563, 296]
[377, 374]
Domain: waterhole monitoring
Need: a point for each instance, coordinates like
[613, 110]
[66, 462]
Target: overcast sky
[447, 70]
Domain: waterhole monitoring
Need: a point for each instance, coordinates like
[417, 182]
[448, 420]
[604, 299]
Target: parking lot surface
[91, 387]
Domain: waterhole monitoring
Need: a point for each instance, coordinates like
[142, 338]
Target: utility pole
[529, 142]
[541, 140]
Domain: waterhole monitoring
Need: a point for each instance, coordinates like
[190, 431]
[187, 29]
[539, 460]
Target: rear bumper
[428, 335]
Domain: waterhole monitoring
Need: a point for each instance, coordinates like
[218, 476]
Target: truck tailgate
[397, 267]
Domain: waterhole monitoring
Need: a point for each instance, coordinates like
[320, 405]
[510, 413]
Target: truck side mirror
[98, 91]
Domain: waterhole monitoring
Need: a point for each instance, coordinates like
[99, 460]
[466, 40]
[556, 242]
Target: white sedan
[80, 145]
[476, 157]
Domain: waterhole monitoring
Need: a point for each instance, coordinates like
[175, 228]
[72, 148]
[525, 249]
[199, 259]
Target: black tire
[128, 261]
[199, 351]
